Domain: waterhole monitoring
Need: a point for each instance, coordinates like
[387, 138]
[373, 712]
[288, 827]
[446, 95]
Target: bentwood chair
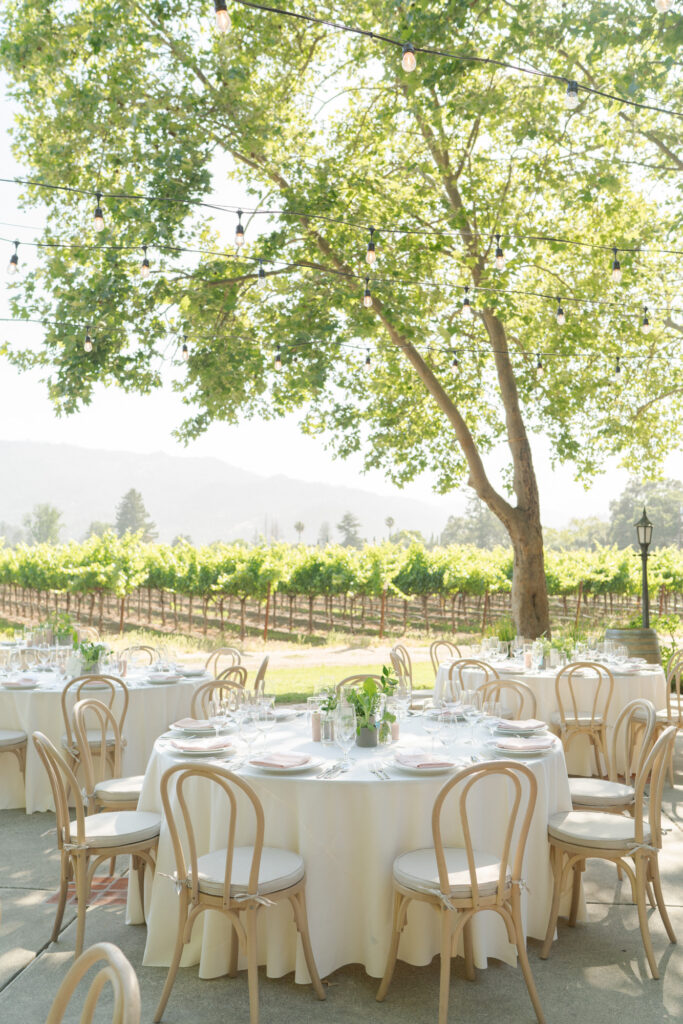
[140, 655]
[91, 839]
[673, 713]
[81, 687]
[517, 697]
[260, 678]
[402, 665]
[215, 689]
[459, 882]
[573, 718]
[88, 633]
[356, 680]
[632, 843]
[103, 793]
[115, 969]
[442, 650]
[15, 741]
[456, 681]
[237, 881]
[222, 658]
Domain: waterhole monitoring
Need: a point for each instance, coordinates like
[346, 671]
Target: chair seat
[124, 790]
[12, 738]
[279, 869]
[119, 828]
[582, 718]
[600, 793]
[593, 828]
[94, 739]
[417, 870]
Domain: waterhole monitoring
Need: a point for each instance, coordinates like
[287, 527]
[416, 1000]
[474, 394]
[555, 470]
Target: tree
[43, 525]
[324, 535]
[348, 527]
[664, 502]
[131, 516]
[97, 528]
[299, 527]
[440, 161]
[181, 538]
[590, 532]
[11, 534]
[478, 526]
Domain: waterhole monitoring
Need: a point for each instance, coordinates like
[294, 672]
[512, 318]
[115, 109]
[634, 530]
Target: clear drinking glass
[216, 715]
[345, 731]
[249, 726]
[471, 706]
[433, 721]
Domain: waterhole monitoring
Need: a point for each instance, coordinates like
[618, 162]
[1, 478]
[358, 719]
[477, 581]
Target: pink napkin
[422, 761]
[200, 743]
[192, 723]
[520, 724]
[25, 683]
[521, 743]
[281, 760]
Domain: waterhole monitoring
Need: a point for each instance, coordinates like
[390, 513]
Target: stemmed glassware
[345, 731]
[218, 715]
[471, 706]
[249, 725]
[433, 721]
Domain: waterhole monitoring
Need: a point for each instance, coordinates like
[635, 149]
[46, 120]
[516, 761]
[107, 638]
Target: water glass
[345, 730]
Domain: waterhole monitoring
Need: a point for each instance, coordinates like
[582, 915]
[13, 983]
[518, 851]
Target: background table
[151, 710]
[649, 683]
[348, 830]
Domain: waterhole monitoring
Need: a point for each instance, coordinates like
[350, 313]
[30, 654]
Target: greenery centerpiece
[327, 709]
[373, 720]
[90, 655]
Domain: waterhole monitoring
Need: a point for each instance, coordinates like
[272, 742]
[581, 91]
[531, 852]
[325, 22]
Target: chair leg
[252, 965]
[657, 883]
[82, 892]
[641, 864]
[301, 917]
[579, 867]
[139, 868]
[556, 857]
[468, 948]
[445, 972]
[63, 893]
[234, 953]
[524, 964]
[175, 962]
[392, 955]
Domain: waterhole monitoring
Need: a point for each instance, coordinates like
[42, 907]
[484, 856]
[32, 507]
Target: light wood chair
[356, 680]
[260, 678]
[102, 793]
[576, 836]
[15, 741]
[673, 713]
[116, 970]
[571, 718]
[230, 655]
[140, 654]
[631, 743]
[81, 687]
[455, 683]
[402, 664]
[236, 675]
[91, 839]
[515, 694]
[460, 882]
[215, 689]
[237, 881]
[441, 650]
[87, 633]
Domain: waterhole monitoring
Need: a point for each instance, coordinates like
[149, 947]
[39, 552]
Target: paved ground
[597, 971]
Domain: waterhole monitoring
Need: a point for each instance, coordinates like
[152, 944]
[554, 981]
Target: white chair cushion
[278, 870]
[418, 870]
[126, 789]
[12, 737]
[593, 828]
[662, 715]
[582, 718]
[119, 828]
[94, 739]
[600, 793]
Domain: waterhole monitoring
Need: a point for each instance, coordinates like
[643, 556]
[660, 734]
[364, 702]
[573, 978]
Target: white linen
[150, 711]
[349, 830]
[649, 683]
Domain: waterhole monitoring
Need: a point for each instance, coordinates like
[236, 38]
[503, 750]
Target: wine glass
[620, 654]
[433, 721]
[517, 647]
[345, 731]
[471, 706]
[216, 715]
[249, 725]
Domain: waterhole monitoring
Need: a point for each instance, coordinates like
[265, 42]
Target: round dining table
[348, 829]
[36, 706]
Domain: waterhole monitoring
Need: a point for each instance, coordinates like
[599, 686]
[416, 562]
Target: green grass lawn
[296, 684]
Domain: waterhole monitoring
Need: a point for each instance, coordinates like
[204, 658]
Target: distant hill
[204, 498]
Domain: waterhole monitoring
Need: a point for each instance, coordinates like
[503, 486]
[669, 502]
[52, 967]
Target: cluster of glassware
[16, 660]
[534, 654]
[466, 721]
[252, 716]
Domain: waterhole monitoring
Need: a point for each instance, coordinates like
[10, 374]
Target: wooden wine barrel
[641, 643]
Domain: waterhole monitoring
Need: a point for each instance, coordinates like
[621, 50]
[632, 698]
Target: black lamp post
[644, 531]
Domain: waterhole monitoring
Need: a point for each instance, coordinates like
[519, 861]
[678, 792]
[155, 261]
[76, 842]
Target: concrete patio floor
[596, 972]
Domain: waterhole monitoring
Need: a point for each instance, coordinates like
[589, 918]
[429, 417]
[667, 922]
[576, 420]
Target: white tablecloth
[650, 684]
[151, 710]
[348, 830]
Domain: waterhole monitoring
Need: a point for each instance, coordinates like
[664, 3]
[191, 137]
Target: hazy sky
[130, 423]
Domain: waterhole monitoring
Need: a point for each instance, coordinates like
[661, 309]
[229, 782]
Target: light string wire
[466, 58]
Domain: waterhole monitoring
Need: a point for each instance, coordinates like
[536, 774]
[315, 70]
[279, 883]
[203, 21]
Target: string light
[87, 344]
[262, 281]
[371, 255]
[539, 365]
[223, 22]
[408, 60]
[500, 255]
[368, 361]
[616, 267]
[13, 265]
[466, 306]
[617, 366]
[571, 97]
[367, 297]
[185, 351]
[559, 315]
[98, 221]
[663, 5]
[645, 325]
[144, 266]
[239, 231]
[455, 362]
[278, 360]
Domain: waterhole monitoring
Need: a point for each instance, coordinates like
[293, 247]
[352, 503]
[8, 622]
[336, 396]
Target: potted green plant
[327, 710]
[373, 721]
[90, 655]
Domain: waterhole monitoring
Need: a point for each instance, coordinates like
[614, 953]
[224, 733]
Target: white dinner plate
[18, 689]
[296, 769]
[206, 754]
[191, 673]
[162, 677]
[504, 752]
[193, 730]
[417, 772]
[540, 730]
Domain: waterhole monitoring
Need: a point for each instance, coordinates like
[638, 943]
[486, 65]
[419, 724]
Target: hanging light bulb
[466, 306]
[185, 351]
[500, 255]
[223, 22]
[278, 360]
[559, 314]
[571, 97]
[617, 366]
[262, 280]
[539, 365]
[455, 362]
[663, 5]
[368, 361]
[98, 222]
[371, 255]
[616, 267]
[88, 344]
[144, 266]
[239, 231]
[13, 265]
[645, 325]
[367, 297]
[408, 61]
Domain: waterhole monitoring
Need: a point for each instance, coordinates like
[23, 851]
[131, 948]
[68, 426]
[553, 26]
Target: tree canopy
[44, 524]
[132, 517]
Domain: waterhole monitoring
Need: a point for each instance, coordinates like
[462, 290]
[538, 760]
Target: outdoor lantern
[644, 532]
